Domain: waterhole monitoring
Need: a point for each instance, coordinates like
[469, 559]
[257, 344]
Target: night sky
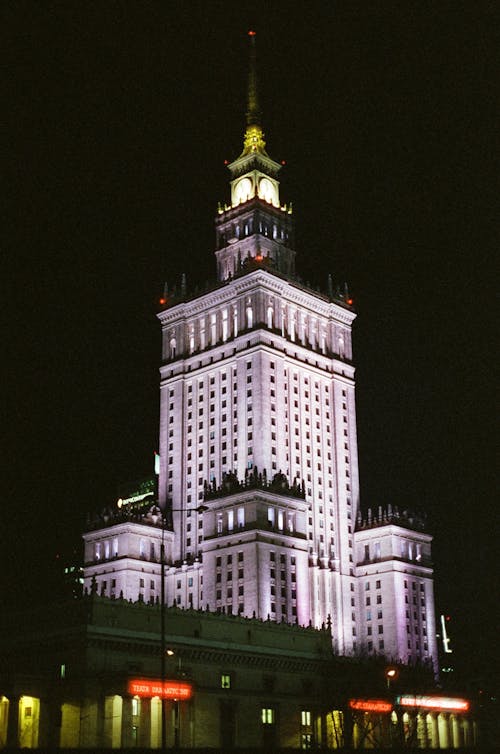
[119, 119]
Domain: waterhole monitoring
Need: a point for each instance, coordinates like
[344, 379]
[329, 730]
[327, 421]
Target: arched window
[225, 329]
[270, 313]
[341, 346]
[249, 315]
[173, 347]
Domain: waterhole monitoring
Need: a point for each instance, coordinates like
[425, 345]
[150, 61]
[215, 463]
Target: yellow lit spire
[254, 136]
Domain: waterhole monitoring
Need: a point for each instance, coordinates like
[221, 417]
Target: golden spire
[254, 136]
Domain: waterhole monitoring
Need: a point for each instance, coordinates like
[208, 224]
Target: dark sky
[119, 119]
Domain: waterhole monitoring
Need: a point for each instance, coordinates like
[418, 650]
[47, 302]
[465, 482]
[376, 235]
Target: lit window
[225, 681]
[305, 718]
[267, 716]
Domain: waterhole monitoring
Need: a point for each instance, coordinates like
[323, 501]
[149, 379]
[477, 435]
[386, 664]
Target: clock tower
[255, 226]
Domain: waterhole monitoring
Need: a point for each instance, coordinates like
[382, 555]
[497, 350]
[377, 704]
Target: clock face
[266, 190]
[243, 190]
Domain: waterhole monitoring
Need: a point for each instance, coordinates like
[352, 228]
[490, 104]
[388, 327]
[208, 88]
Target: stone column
[144, 738]
[421, 722]
[50, 723]
[13, 723]
[412, 735]
[444, 730]
[127, 723]
[455, 728]
[434, 730]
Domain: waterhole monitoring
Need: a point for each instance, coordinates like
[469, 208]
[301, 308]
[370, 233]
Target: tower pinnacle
[254, 136]
[253, 110]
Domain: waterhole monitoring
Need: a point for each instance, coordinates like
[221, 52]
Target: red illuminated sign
[167, 690]
[370, 705]
[434, 702]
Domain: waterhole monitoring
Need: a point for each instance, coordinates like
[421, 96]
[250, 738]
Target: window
[267, 716]
[225, 681]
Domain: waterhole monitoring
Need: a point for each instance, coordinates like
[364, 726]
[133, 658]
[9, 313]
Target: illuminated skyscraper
[258, 424]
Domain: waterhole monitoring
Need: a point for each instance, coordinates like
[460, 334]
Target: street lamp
[163, 650]
[170, 652]
[390, 674]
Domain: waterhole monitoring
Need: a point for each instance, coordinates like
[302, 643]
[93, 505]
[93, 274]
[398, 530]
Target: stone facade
[87, 674]
[257, 402]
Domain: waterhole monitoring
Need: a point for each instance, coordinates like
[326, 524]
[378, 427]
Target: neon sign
[168, 689]
[370, 705]
[434, 702]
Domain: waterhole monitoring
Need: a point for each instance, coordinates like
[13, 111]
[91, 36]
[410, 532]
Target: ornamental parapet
[138, 513]
[254, 480]
[417, 521]
[335, 293]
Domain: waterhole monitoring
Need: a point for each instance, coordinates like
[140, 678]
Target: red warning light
[283, 162]
[251, 33]
[226, 162]
[349, 301]
[163, 301]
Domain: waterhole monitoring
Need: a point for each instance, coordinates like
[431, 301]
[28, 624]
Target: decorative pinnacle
[254, 136]
[253, 111]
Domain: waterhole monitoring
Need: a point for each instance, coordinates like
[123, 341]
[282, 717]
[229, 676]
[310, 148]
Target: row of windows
[369, 615]
[105, 550]
[229, 559]
[367, 585]
[414, 586]
[368, 600]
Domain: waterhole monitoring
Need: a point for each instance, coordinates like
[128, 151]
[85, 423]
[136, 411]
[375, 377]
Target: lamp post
[163, 650]
[170, 652]
[390, 675]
